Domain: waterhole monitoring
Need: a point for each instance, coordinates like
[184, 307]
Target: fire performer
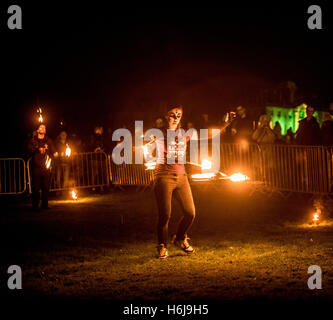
[172, 178]
[42, 150]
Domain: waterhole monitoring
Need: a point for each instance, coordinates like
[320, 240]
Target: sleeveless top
[176, 150]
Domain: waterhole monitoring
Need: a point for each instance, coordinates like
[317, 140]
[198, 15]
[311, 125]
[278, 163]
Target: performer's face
[173, 117]
[41, 129]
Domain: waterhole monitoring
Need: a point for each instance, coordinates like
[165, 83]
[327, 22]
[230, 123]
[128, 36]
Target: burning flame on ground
[315, 217]
[206, 164]
[74, 195]
[238, 177]
[318, 206]
[150, 165]
[68, 151]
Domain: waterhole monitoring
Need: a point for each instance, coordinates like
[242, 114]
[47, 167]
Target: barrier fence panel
[284, 167]
[82, 170]
[131, 174]
[12, 176]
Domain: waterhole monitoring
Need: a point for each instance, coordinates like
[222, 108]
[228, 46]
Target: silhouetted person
[290, 137]
[97, 139]
[327, 130]
[308, 132]
[242, 127]
[42, 149]
[264, 134]
[278, 133]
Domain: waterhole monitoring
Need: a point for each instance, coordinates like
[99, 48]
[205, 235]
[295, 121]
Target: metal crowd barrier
[291, 168]
[306, 169]
[12, 176]
[131, 174]
[82, 170]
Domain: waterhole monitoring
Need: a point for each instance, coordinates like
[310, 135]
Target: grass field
[103, 247]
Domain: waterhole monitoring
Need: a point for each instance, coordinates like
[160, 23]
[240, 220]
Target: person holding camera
[264, 134]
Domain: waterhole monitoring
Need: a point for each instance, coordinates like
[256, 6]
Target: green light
[289, 117]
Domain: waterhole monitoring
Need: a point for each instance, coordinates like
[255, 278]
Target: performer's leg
[184, 195]
[46, 177]
[164, 187]
[36, 184]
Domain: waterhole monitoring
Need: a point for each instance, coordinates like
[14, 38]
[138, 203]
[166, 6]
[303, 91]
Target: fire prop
[74, 195]
[68, 150]
[40, 118]
[48, 161]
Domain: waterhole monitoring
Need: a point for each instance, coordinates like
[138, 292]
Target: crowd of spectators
[259, 131]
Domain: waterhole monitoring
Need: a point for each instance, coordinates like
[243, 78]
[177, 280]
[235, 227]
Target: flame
[203, 176]
[40, 118]
[48, 162]
[238, 177]
[150, 165]
[316, 216]
[68, 151]
[74, 195]
[206, 164]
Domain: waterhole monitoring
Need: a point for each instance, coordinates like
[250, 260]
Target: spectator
[327, 130]
[97, 139]
[242, 127]
[290, 137]
[308, 132]
[278, 133]
[264, 134]
[159, 123]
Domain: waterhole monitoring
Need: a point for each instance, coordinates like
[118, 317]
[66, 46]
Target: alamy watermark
[169, 148]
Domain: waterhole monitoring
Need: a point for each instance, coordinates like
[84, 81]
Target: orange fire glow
[203, 176]
[150, 165]
[206, 164]
[74, 195]
[48, 162]
[238, 177]
[68, 151]
[316, 216]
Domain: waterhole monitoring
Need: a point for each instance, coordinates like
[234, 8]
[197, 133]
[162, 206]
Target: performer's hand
[55, 154]
[229, 117]
[42, 150]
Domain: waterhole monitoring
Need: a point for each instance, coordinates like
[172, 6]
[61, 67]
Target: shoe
[162, 251]
[182, 244]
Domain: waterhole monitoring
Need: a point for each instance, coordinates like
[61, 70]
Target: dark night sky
[83, 65]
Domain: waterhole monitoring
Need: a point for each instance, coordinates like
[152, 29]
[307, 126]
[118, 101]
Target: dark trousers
[40, 181]
[165, 187]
